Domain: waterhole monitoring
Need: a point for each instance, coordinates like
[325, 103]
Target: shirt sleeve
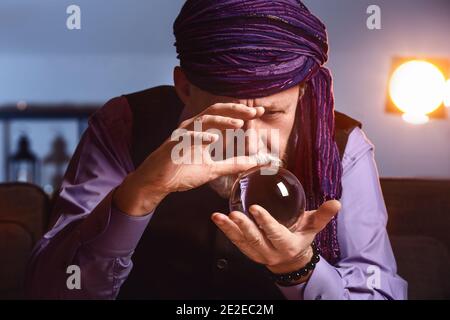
[88, 231]
[367, 268]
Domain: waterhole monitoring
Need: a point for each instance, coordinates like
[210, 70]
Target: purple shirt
[94, 235]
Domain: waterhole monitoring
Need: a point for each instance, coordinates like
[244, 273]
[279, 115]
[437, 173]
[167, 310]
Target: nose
[251, 128]
[249, 124]
[252, 143]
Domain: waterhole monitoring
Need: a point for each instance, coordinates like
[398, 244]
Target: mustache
[223, 185]
[263, 158]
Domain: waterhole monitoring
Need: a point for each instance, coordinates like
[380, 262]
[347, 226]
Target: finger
[316, 220]
[252, 141]
[197, 137]
[207, 121]
[228, 227]
[278, 235]
[232, 232]
[204, 122]
[259, 111]
[233, 110]
[251, 233]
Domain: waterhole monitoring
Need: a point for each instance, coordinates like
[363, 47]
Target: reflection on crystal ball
[274, 188]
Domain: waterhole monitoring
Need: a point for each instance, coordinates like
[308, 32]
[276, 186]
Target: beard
[224, 184]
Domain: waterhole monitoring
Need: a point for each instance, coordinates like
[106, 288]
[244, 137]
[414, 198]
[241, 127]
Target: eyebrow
[269, 106]
[283, 106]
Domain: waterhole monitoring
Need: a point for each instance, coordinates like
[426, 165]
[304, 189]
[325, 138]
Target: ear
[182, 85]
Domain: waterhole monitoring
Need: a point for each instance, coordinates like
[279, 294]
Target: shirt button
[221, 264]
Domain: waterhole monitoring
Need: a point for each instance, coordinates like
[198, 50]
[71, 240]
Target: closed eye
[271, 114]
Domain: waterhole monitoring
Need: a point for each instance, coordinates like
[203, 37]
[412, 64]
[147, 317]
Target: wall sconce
[447, 94]
[418, 89]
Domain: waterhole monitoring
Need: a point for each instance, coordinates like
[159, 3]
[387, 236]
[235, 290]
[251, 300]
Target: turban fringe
[255, 48]
[317, 162]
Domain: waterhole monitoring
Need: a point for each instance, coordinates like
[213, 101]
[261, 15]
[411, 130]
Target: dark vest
[182, 254]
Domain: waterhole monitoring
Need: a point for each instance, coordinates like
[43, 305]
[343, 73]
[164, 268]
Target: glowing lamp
[417, 88]
[447, 94]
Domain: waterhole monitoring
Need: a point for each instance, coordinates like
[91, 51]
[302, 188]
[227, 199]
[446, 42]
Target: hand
[280, 249]
[159, 175]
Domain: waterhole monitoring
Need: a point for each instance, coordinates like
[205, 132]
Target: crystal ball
[274, 188]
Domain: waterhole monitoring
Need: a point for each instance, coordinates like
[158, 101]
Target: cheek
[279, 133]
[282, 141]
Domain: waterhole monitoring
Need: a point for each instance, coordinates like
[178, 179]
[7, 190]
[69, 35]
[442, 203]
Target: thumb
[233, 165]
[317, 220]
[329, 208]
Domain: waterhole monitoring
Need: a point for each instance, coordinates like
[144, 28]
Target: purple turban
[255, 48]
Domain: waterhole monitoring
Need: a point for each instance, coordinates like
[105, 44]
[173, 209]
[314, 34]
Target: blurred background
[126, 46]
[52, 78]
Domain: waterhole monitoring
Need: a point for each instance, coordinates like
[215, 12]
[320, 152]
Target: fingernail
[253, 210]
[218, 220]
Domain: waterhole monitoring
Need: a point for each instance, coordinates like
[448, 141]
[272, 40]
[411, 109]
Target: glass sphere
[274, 188]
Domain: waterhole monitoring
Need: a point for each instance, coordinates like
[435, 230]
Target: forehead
[282, 98]
[285, 97]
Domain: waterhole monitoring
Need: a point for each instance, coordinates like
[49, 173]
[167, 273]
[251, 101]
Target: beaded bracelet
[286, 279]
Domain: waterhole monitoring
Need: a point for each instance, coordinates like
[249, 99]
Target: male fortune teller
[139, 225]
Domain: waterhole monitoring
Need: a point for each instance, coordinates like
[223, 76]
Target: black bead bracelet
[286, 279]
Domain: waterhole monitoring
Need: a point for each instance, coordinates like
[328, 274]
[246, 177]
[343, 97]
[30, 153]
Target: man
[244, 64]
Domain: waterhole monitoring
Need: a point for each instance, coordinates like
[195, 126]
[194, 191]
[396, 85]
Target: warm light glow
[447, 94]
[415, 118]
[417, 88]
